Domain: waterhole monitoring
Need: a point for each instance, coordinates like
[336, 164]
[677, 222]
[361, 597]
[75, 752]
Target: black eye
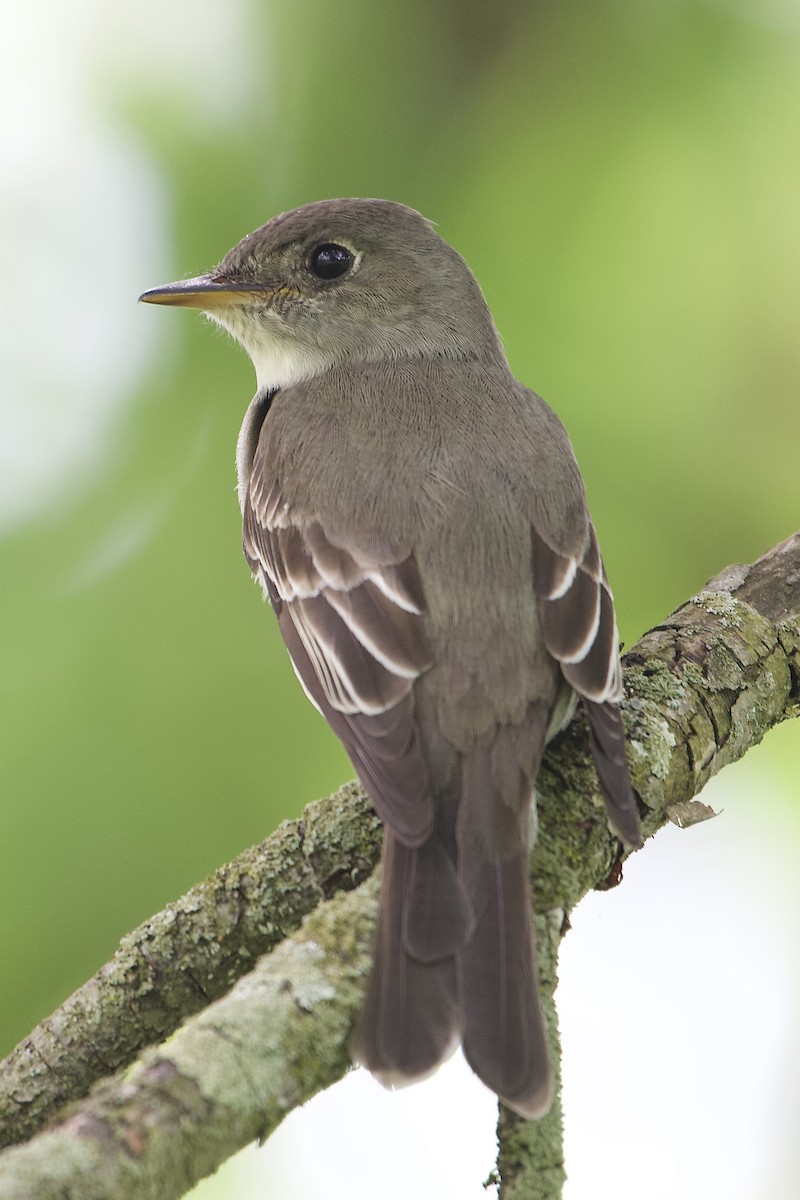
[330, 261]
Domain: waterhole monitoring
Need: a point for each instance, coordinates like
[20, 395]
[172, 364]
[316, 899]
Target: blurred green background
[623, 178]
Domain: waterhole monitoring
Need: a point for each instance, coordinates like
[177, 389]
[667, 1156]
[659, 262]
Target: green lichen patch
[721, 605]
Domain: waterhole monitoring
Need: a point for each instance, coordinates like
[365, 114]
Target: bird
[418, 521]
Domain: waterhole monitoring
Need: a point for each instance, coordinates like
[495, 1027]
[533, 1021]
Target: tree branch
[702, 688]
[190, 954]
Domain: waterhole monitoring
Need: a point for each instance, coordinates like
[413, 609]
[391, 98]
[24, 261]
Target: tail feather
[411, 1019]
[504, 1035]
[437, 916]
[608, 752]
[454, 955]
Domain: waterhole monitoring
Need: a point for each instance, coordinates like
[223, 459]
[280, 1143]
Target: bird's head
[340, 280]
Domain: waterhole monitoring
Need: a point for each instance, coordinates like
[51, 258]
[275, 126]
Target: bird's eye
[330, 261]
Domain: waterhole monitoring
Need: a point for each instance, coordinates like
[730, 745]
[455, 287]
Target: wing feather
[353, 619]
[576, 611]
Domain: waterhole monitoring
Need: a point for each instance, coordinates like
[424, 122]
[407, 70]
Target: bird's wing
[576, 610]
[352, 617]
[579, 627]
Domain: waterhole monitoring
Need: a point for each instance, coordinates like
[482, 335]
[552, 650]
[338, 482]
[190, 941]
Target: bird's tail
[504, 1034]
[411, 1019]
[454, 955]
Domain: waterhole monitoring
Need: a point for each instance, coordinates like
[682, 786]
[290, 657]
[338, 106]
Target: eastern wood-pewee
[419, 523]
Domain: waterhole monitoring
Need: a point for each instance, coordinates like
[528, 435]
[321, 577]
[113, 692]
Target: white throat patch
[278, 360]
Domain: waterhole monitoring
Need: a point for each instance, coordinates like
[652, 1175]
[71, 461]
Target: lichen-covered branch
[187, 956]
[701, 689]
[227, 1077]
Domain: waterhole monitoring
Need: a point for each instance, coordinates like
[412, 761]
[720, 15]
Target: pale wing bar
[352, 618]
[576, 610]
[360, 623]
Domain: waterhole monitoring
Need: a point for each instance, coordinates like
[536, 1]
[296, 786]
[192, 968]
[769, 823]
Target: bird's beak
[206, 291]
